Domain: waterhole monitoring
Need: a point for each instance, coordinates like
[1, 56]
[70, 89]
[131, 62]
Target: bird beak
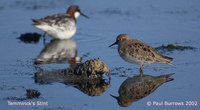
[114, 96]
[113, 44]
[84, 15]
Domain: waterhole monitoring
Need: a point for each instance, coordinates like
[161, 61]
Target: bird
[137, 87]
[137, 52]
[60, 26]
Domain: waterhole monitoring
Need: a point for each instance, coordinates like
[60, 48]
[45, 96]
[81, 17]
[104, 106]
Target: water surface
[155, 22]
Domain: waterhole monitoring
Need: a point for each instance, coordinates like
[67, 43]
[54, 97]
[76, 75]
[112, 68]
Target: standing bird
[137, 52]
[60, 26]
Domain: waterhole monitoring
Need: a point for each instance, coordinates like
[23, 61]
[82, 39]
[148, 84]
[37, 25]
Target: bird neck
[73, 14]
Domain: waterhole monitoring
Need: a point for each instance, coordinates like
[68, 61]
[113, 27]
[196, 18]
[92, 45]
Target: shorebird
[137, 87]
[60, 26]
[137, 52]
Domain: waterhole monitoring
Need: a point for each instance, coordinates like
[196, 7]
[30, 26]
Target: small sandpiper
[60, 26]
[137, 52]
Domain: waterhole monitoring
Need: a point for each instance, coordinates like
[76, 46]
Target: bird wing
[140, 50]
[145, 52]
[55, 19]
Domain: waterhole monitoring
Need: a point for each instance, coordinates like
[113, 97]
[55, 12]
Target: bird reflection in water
[59, 51]
[91, 87]
[91, 77]
[138, 87]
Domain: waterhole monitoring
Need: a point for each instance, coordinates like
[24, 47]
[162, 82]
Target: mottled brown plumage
[137, 52]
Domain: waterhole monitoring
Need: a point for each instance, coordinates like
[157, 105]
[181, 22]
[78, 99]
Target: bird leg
[44, 40]
[141, 70]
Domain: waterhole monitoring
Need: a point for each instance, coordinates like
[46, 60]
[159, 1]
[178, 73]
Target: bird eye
[121, 39]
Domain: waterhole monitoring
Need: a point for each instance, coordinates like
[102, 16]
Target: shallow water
[155, 22]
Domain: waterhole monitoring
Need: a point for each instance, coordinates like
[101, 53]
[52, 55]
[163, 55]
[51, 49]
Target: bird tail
[168, 60]
[167, 77]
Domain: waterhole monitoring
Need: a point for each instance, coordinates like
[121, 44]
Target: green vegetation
[172, 47]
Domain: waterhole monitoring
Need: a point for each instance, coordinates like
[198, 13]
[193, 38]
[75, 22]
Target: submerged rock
[91, 69]
[138, 87]
[86, 77]
[31, 93]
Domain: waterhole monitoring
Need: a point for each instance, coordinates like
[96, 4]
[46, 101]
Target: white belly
[134, 60]
[61, 34]
[65, 31]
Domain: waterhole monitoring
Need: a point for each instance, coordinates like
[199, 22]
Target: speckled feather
[141, 51]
